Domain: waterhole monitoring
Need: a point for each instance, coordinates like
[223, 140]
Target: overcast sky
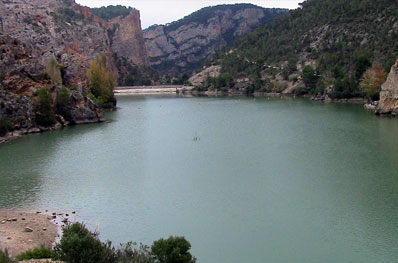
[166, 11]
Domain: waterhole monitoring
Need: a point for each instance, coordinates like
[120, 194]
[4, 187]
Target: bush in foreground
[79, 245]
[172, 250]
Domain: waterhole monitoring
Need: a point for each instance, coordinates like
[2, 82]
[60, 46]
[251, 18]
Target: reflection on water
[271, 180]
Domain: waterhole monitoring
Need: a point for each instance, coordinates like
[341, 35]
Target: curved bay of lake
[268, 180]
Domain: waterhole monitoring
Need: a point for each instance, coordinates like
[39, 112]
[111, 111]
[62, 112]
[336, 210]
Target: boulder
[28, 229]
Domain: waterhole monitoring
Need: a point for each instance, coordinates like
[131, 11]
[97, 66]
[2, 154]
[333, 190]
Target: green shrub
[5, 258]
[63, 102]
[37, 253]
[5, 126]
[79, 245]
[172, 250]
[44, 112]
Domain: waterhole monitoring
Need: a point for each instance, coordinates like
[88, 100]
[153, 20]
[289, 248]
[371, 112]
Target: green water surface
[268, 180]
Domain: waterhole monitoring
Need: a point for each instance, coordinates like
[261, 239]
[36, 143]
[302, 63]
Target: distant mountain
[182, 46]
[322, 48]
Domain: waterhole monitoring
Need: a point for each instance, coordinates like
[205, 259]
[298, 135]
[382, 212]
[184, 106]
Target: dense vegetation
[111, 11]
[78, 245]
[325, 43]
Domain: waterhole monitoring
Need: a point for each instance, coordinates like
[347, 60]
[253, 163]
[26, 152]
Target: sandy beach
[20, 231]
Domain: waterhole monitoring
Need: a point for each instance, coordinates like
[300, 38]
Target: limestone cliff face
[33, 32]
[182, 46]
[53, 29]
[125, 34]
[127, 40]
[389, 93]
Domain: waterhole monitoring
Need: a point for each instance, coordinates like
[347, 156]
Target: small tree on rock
[372, 80]
[101, 82]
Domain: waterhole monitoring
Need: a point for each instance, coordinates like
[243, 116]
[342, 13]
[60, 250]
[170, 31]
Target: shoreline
[16, 134]
[11, 136]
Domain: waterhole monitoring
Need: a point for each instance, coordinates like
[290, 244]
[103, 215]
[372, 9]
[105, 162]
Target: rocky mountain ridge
[182, 46]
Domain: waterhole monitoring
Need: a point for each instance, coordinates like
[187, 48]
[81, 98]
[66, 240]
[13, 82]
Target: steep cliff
[127, 39]
[388, 103]
[34, 33]
[182, 46]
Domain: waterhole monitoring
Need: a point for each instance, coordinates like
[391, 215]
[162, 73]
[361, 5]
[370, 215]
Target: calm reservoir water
[270, 180]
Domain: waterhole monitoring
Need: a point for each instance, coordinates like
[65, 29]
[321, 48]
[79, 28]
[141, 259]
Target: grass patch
[37, 253]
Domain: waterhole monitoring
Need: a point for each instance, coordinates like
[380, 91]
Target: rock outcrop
[388, 103]
[182, 46]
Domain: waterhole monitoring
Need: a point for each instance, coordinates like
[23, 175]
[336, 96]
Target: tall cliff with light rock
[182, 46]
[34, 32]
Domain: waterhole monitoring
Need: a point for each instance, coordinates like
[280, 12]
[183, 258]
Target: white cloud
[166, 11]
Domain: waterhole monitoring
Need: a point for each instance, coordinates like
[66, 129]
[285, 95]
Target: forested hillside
[325, 46]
